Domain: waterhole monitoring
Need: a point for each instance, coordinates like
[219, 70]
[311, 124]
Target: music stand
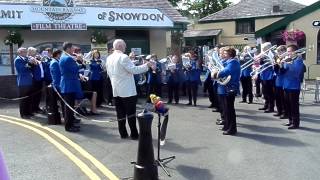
[162, 161]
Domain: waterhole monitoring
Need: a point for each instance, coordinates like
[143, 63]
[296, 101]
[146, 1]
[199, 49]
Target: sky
[305, 2]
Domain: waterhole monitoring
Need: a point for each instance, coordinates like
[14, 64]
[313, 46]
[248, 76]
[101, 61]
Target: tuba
[214, 63]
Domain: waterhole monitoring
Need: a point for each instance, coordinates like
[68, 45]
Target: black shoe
[215, 110]
[258, 95]
[194, 104]
[25, 116]
[283, 117]
[288, 124]
[135, 137]
[229, 133]
[189, 104]
[93, 113]
[73, 129]
[76, 126]
[76, 120]
[211, 106]
[263, 108]
[250, 102]
[293, 127]
[277, 114]
[242, 101]
[124, 137]
[220, 123]
[269, 111]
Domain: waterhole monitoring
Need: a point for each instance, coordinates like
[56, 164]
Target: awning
[201, 33]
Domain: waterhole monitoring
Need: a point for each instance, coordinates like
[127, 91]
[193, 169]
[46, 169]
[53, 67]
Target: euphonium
[214, 63]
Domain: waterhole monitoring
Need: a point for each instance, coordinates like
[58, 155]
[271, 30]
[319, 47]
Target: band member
[174, 79]
[154, 78]
[38, 79]
[292, 83]
[246, 80]
[23, 66]
[267, 78]
[47, 57]
[279, 92]
[95, 77]
[193, 78]
[69, 85]
[53, 98]
[221, 91]
[121, 69]
[232, 67]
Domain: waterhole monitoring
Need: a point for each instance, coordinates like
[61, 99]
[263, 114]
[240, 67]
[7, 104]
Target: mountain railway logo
[58, 12]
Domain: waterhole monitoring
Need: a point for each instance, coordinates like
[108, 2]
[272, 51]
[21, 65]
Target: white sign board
[137, 51]
[71, 17]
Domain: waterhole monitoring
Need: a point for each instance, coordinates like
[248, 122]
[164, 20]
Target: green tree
[196, 9]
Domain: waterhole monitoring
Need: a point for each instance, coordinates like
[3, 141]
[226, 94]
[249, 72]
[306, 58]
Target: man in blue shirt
[232, 68]
[70, 86]
[292, 84]
[246, 80]
[54, 70]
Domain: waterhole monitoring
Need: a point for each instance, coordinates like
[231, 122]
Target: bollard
[53, 113]
[146, 167]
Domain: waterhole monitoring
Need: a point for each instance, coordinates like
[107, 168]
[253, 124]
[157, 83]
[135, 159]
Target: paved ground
[263, 149]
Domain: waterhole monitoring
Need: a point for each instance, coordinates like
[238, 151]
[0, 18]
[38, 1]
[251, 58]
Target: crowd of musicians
[69, 77]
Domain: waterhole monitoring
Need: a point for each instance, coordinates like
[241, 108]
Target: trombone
[255, 59]
[283, 56]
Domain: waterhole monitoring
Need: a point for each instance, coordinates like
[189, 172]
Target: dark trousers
[25, 107]
[68, 113]
[126, 109]
[280, 100]
[211, 91]
[229, 113]
[153, 88]
[52, 106]
[97, 87]
[292, 101]
[192, 90]
[246, 83]
[36, 95]
[215, 96]
[221, 99]
[109, 90]
[173, 91]
[258, 86]
[267, 91]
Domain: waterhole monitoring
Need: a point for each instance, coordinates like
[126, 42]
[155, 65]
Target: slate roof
[163, 5]
[252, 9]
[201, 33]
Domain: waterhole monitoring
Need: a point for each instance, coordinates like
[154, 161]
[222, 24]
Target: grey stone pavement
[263, 149]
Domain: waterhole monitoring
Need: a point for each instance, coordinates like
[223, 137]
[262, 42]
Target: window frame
[250, 22]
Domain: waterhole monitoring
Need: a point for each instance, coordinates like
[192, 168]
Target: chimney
[276, 8]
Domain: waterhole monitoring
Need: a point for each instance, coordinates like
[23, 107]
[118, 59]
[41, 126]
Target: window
[245, 27]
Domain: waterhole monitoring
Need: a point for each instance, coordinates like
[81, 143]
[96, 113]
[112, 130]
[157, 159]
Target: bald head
[119, 45]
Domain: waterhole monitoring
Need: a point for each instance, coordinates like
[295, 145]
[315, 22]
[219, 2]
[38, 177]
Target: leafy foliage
[196, 9]
[13, 37]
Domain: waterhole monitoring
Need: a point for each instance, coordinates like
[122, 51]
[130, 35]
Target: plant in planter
[98, 37]
[13, 37]
[293, 36]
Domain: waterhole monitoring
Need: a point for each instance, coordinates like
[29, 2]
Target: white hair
[265, 46]
[119, 44]
[21, 49]
[32, 51]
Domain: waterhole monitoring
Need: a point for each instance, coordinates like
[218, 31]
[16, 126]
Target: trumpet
[214, 64]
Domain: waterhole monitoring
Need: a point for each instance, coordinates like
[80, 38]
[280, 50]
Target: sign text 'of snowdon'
[114, 16]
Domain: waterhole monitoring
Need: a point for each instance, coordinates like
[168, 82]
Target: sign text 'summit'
[10, 14]
[114, 16]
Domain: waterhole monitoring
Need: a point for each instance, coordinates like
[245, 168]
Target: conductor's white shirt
[121, 70]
